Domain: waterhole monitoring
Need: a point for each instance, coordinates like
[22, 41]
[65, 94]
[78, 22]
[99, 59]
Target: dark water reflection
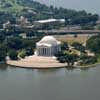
[52, 84]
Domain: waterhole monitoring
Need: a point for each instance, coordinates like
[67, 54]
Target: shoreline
[37, 67]
[53, 67]
[35, 62]
[89, 66]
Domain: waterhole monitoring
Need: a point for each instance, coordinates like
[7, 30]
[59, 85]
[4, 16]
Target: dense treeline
[93, 44]
[13, 45]
[11, 9]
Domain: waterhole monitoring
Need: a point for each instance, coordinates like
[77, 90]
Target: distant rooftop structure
[50, 21]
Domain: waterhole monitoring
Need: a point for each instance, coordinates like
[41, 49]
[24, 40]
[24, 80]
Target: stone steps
[40, 59]
[37, 62]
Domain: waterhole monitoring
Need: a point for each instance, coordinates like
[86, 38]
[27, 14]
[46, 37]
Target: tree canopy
[93, 44]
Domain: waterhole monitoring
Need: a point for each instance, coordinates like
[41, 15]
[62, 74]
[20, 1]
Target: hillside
[11, 9]
[10, 6]
[17, 6]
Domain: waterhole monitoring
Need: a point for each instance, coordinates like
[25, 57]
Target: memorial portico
[48, 46]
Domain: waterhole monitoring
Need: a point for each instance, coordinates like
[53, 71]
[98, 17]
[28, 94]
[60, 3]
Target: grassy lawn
[70, 38]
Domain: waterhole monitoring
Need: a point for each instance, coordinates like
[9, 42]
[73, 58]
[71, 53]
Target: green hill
[10, 9]
[17, 6]
[10, 6]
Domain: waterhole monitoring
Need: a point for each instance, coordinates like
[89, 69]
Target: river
[49, 84]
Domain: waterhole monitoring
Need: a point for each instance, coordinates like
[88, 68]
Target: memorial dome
[49, 40]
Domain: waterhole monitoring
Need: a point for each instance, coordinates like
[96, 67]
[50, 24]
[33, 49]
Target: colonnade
[45, 52]
[48, 51]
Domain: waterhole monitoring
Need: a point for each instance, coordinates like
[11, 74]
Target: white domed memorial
[48, 46]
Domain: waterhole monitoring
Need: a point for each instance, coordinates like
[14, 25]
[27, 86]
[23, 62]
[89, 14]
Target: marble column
[42, 52]
[45, 51]
[51, 51]
[48, 52]
[39, 51]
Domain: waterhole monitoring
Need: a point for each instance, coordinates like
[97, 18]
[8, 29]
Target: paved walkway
[37, 62]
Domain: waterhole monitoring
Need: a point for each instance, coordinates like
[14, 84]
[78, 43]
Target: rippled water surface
[52, 84]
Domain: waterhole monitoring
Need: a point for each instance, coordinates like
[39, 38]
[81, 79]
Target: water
[52, 84]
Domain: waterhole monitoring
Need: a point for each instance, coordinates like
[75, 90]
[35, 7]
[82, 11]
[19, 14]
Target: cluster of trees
[71, 16]
[35, 11]
[16, 46]
[86, 60]
[65, 57]
[75, 17]
[79, 46]
[21, 47]
[69, 57]
[93, 44]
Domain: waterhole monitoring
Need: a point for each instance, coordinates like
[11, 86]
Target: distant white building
[50, 21]
[23, 22]
[48, 46]
[47, 22]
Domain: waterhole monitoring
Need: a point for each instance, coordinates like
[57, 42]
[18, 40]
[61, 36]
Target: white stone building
[48, 46]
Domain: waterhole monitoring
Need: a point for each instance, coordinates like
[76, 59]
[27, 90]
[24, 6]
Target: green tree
[71, 59]
[13, 54]
[64, 46]
[15, 43]
[78, 46]
[2, 52]
[29, 51]
[86, 60]
[65, 57]
[22, 53]
[93, 44]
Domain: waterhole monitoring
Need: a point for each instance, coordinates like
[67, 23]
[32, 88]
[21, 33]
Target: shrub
[64, 46]
[88, 59]
[22, 53]
[29, 51]
[2, 52]
[13, 55]
[93, 44]
[78, 46]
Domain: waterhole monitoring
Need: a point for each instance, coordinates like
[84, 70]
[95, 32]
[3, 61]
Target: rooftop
[50, 20]
[48, 40]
